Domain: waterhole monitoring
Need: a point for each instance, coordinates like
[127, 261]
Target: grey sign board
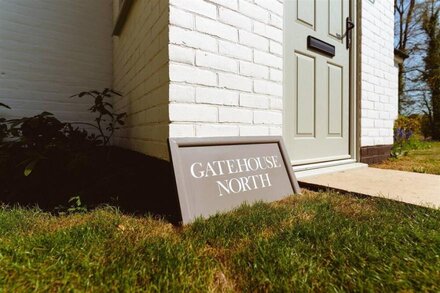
[219, 174]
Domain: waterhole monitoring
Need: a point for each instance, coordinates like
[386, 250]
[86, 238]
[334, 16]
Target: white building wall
[50, 50]
[379, 77]
[140, 59]
[225, 67]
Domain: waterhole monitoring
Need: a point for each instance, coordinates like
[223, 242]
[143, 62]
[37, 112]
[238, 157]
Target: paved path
[409, 187]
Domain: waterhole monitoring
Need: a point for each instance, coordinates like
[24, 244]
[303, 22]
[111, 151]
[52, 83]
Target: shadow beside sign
[219, 174]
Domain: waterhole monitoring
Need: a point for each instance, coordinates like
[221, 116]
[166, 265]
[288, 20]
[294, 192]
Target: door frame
[354, 92]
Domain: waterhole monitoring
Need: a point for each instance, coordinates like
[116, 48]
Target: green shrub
[42, 158]
[407, 131]
[43, 136]
[409, 123]
[107, 121]
[3, 125]
[64, 169]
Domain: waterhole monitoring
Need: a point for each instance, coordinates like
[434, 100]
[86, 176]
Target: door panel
[335, 17]
[305, 86]
[316, 85]
[306, 12]
[335, 94]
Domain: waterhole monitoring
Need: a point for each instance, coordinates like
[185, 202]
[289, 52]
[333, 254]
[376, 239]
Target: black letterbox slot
[321, 46]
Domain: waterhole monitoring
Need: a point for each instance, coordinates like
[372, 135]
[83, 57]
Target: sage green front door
[316, 109]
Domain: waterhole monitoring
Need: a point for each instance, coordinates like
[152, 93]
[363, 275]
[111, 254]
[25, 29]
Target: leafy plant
[45, 161]
[43, 136]
[410, 123]
[3, 124]
[407, 130]
[108, 121]
[404, 141]
[76, 206]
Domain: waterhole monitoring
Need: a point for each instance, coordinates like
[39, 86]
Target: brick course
[375, 154]
[379, 75]
[141, 73]
[239, 55]
[48, 52]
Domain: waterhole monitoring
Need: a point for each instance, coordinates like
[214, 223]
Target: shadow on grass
[135, 183]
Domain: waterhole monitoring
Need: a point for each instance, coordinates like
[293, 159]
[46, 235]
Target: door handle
[349, 25]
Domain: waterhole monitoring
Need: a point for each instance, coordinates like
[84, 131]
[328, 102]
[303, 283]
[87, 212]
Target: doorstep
[304, 171]
[414, 188]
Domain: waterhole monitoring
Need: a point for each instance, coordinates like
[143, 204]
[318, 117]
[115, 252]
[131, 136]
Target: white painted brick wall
[141, 74]
[211, 95]
[49, 52]
[379, 75]
[239, 53]
[234, 85]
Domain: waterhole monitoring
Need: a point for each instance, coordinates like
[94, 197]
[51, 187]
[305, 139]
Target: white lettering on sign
[236, 166]
[242, 184]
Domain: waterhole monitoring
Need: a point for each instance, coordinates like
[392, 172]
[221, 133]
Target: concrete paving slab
[409, 187]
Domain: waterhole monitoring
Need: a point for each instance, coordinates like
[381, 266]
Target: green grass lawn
[422, 160]
[313, 242]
